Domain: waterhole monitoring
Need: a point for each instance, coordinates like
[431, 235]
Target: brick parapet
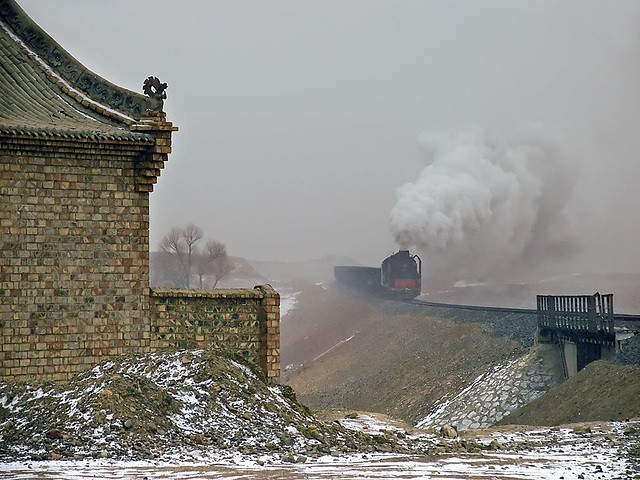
[246, 321]
[270, 328]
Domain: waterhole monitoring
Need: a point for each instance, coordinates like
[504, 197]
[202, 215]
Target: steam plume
[484, 206]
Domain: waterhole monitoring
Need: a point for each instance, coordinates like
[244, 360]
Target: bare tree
[172, 245]
[191, 236]
[181, 253]
[218, 263]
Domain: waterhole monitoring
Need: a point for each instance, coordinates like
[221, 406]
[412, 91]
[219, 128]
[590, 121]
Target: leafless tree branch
[182, 254]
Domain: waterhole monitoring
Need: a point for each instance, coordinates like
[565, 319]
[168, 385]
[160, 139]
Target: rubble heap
[143, 407]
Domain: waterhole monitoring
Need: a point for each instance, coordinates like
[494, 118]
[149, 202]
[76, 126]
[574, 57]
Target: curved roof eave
[40, 79]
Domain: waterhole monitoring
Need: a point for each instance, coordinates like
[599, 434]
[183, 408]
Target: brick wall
[246, 321]
[74, 263]
[73, 256]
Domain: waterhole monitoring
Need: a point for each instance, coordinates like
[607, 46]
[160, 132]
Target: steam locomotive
[399, 275]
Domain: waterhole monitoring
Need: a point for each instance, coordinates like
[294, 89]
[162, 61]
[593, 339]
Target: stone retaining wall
[246, 321]
[500, 391]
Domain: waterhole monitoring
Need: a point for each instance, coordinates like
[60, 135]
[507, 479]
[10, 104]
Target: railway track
[472, 307]
[624, 321]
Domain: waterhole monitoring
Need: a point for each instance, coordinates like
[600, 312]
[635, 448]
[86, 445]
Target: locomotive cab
[401, 274]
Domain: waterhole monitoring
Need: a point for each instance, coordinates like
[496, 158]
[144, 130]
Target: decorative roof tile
[45, 91]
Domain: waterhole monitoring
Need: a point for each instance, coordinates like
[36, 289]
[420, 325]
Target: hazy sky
[300, 120]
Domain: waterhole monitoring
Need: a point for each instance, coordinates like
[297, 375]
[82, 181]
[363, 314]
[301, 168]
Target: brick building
[78, 159]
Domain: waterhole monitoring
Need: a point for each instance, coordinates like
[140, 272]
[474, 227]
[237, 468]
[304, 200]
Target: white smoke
[484, 206]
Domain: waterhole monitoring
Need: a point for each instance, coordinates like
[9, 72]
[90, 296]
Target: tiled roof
[45, 91]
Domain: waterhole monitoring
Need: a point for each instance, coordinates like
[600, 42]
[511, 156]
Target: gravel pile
[153, 406]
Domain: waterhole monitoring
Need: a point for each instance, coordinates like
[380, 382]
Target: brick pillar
[269, 316]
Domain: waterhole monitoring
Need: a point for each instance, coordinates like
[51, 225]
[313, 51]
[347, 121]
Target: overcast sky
[300, 120]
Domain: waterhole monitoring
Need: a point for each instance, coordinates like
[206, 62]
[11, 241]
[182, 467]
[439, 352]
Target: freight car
[399, 276]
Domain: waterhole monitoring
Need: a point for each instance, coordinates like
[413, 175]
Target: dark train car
[399, 276]
[402, 274]
[361, 278]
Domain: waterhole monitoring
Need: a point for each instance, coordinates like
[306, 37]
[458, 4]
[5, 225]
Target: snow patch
[288, 302]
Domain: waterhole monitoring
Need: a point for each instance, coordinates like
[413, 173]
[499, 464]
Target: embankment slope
[600, 391]
[340, 350]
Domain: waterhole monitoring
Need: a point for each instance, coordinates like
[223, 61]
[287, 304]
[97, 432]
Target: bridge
[583, 327]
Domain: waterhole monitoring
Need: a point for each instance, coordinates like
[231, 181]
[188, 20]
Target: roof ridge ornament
[152, 87]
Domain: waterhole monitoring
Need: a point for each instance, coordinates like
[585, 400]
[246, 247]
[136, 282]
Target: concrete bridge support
[577, 354]
[608, 351]
[570, 358]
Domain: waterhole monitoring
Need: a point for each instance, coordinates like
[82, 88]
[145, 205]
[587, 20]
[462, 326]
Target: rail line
[472, 307]
[624, 320]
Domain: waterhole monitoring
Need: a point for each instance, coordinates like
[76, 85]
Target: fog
[314, 128]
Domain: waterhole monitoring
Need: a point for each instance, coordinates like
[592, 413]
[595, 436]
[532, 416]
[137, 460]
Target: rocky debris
[619, 437]
[623, 438]
[600, 453]
[152, 406]
[447, 431]
[188, 406]
[184, 405]
[629, 353]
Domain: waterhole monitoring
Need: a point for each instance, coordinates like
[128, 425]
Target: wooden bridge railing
[576, 313]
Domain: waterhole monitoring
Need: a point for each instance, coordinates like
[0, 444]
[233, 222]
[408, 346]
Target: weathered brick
[75, 275]
[196, 320]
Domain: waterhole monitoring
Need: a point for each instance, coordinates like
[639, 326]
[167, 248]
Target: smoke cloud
[485, 207]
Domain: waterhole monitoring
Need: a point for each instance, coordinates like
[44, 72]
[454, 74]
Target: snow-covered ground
[596, 453]
[288, 301]
[530, 465]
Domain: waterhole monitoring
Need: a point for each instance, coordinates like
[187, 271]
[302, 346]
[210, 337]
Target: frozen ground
[597, 451]
[288, 301]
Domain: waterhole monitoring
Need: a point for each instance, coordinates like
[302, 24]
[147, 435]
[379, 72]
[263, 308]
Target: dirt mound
[601, 391]
[155, 405]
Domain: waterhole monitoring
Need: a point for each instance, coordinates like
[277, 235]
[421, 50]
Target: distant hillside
[313, 271]
[243, 275]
